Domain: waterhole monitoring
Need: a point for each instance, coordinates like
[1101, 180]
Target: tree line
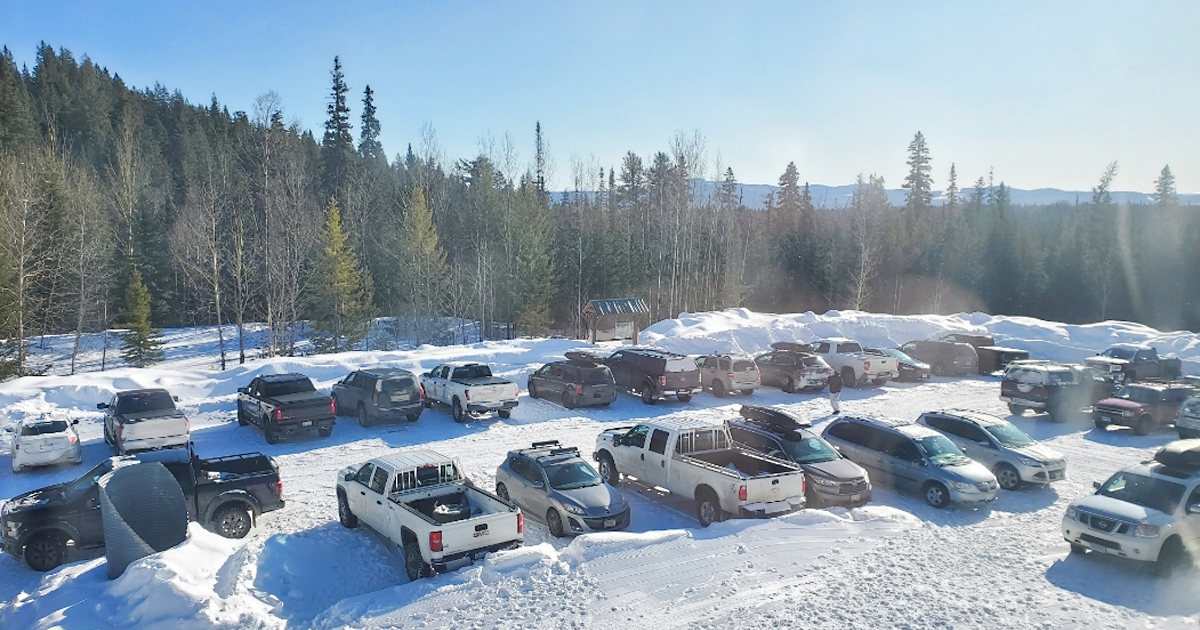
[136, 209]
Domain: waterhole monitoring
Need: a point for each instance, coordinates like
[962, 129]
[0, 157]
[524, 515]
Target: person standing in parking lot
[835, 392]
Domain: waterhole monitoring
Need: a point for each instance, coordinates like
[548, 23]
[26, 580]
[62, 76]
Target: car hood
[972, 472]
[34, 499]
[840, 469]
[1117, 507]
[596, 500]
[1039, 452]
[1120, 403]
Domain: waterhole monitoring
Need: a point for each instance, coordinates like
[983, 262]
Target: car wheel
[532, 390]
[412, 417]
[608, 470]
[747, 391]
[554, 523]
[504, 413]
[271, 434]
[684, 397]
[568, 399]
[848, 378]
[936, 495]
[456, 410]
[1144, 425]
[718, 389]
[648, 393]
[1101, 424]
[46, 551]
[414, 566]
[324, 431]
[345, 516]
[502, 491]
[708, 509]
[363, 419]
[1130, 377]
[428, 404]
[232, 521]
[1187, 434]
[788, 385]
[1078, 549]
[1007, 476]
[241, 418]
[1016, 410]
[1171, 556]
[939, 369]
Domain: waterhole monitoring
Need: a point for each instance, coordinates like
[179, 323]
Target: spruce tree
[1102, 192]
[337, 146]
[952, 189]
[142, 342]
[1164, 188]
[368, 144]
[342, 300]
[918, 183]
[788, 201]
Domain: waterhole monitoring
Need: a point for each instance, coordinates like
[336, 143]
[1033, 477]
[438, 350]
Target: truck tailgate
[305, 406]
[491, 393]
[141, 428]
[772, 488]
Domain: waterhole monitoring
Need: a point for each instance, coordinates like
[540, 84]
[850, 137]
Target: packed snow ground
[894, 563]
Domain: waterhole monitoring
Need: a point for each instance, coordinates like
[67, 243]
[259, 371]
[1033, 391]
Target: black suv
[944, 357]
[379, 396]
[654, 374]
[576, 382]
[831, 478]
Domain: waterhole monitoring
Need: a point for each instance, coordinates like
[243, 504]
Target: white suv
[1148, 512]
[1187, 419]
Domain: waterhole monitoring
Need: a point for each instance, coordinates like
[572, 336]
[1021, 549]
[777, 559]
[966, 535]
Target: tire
[532, 390]
[939, 369]
[1144, 425]
[648, 394]
[1007, 476]
[502, 492]
[1078, 549]
[789, 385]
[554, 523]
[108, 440]
[345, 516]
[568, 399]
[718, 389]
[1130, 377]
[324, 431]
[608, 470]
[1171, 556]
[848, 378]
[747, 391]
[1187, 434]
[427, 403]
[45, 551]
[504, 413]
[708, 508]
[413, 417]
[414, 565]
[364, 420]
[684, 397]
[456, 411]
[1101, 425]
[241, 418]
[232, 521]
[1016, 410]
[936, 495]
[271, 435]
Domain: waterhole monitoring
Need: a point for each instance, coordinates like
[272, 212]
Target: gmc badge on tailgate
[481, 530]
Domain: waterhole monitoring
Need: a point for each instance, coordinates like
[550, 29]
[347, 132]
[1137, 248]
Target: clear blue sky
[1046, 93]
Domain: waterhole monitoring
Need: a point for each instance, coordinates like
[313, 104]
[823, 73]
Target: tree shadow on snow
[1129, 584]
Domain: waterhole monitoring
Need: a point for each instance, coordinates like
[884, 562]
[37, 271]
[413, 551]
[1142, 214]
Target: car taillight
[520, 523]
[278, 488]
[741, 493]
[516, 390]
[279, 411]
[332, 409]
[120, 430]
[662, 380]
[729, 376]
[435, 541]
[866, 365]
[579, 389]
[375, 399]
[422, 391]
[187, 424]
[72, 439]
[467, 393]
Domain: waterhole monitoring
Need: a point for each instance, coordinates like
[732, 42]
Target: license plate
[855, 497]
[610, 522]
[306, 423]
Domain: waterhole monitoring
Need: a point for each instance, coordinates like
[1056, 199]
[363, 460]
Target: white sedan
[44, 441]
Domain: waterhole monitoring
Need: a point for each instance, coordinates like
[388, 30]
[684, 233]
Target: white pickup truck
[469, 389]
[420, 503]
[695, 458]
[856, 367]
[143, 420]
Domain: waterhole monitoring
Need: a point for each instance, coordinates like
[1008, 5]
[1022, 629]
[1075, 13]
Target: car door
[529, 485]
[109, 422]
[356, 491]
[620, 370]
[1190, 518]
[654, 467]
[631, 450]
[708, 369]
[557, 381]
[975, 442]
[905, 462]
[376, 512]
[254, 408]
[539, 380]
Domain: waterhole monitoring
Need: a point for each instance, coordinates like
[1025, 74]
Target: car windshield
[1056, 377]
[42, 428]
[941, 451]
[897, 353]
[1148, 492]
[1119, 353]
[809, 450]
[571, 475]
[1136, 394]
[284, 388]
[144, 402]
[1010, 436]
[398, 385]
[82, 485]
[744, 365]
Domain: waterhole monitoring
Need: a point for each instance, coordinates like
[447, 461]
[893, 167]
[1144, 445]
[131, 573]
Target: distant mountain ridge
[754, 195]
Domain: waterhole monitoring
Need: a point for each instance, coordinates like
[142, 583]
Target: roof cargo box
[792, 346]
[773, 417]
[996, 358]
[1180, 455]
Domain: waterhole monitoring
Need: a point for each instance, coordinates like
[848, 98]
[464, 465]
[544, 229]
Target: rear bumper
[769, 509]
[442, 564]
[1021, 402]
[878, 376]
[491, 406]
[604, 398]
[399, 412]
[686, 391]
[288, 427]
[149, 444]
[48, 458]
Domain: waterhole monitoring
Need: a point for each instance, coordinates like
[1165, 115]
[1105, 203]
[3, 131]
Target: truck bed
[747, 464]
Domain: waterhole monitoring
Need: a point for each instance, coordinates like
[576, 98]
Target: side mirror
[349, 476]
[11, 429]
[242, 390]
[72, 422]
[1193, 508]
[537, 485]
[175, 398]
[1096, 485]
[102, 405]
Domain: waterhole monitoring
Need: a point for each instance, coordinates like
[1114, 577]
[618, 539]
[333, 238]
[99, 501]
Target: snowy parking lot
[895, 562]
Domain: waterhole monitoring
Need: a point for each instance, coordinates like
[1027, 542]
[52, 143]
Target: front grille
[1109, 411]
[985, 486]
[857, 487]
[1103, 523]
[598, 523]
[1108, 544]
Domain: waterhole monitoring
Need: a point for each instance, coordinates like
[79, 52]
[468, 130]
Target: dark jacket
[835, 383]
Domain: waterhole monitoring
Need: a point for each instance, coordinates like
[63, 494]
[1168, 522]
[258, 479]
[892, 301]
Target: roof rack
[545, 444]
[570, 450]
[792, 346]
[1181, 455]
[773, 417]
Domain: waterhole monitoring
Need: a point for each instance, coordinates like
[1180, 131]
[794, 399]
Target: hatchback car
[576, 382]
[727, 373]
[379, 395]
[912, 457]
[44, 441]
[1014, 457]
[555, 485]
[832, 479]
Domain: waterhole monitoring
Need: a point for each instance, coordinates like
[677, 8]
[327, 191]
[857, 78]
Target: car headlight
[962, 485]
[1146, 530]
[821, 481]
[574, 509]
[1127, 413]
[1072, 513]
[1029, 461]
[866, 477]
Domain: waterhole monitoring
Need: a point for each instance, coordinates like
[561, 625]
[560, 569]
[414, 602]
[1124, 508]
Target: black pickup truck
[283, 404]
[225, 494]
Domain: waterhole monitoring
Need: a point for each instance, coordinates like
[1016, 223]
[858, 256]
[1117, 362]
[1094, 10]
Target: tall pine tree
[1164, 188]
[142, 342]
[337, 146]
[368, 143]
[918, 183]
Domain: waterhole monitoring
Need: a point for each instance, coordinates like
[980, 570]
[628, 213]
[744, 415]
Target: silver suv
[1014, 457]
[556, 485]
[728, 373]
[912, 457]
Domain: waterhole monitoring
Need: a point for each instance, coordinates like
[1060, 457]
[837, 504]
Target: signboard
[624, 330]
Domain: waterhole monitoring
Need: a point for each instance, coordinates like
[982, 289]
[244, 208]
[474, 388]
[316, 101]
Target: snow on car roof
[414, 458]
[683, 423]
[885, 421]
[1131, 346]
[978, 417]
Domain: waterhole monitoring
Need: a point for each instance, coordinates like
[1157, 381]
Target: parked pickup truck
[696, 459]
[419, 503]
[469, 389]
[224, 494]
[847, 358]
[143, 419]
[1129, 362]
[1143, 406]
[283, 404]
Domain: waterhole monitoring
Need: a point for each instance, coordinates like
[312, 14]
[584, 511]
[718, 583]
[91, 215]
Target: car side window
[545, 369]
[556, 371]
[972, 432]
[849, 431]
[725, 364]
[903, 448]
[379, 480]
[822, 347]
[710, 362]
[364, 474]
[637, 436]
[1193, 499]
[880, 441]
[531, 471]
[658, 441]
[937, 422]
[909, 347]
